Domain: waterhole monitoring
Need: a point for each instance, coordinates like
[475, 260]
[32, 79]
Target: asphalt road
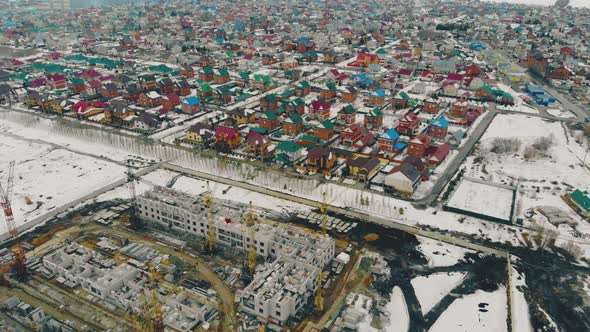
[464, 151]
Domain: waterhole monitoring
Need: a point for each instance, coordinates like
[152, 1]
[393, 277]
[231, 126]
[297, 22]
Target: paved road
[464, 151]
[391, 223]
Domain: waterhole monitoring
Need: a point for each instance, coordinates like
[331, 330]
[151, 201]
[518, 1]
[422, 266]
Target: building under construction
[279, 288]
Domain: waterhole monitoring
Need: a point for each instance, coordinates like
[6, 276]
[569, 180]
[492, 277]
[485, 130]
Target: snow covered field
[482, 198]
[481, 312]
[47, 177]
[431, 289]
[441, 254]
[399, 319]
[542, 179]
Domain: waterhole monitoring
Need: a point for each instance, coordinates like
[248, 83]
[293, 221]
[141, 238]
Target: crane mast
[251, 224]
[19, 263]
[324, 211]
[211, 234]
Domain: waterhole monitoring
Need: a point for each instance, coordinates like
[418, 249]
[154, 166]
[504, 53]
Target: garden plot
[481, 312]
[534, 153]
[483, 199]
[431, 289]
[47, 178]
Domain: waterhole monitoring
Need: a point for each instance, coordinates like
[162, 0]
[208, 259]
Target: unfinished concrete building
[280, 288]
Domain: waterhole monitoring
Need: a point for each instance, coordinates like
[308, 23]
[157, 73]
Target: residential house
[182, 88]
[269, 102]
[56, 81]
[109, 91]
[400, 101]
[363, 169]
[191, 105]
[77, 85]
[293, 125]
[582, 200]
[418, 145]
[296, 105]
[324, 130]
[319, 160]
[148, 122]
[406, 176]
[438, 128]
[303, 89]
[459, 109]
[221, 76]
[388, 139]
[170, 101]
[148, 82]
[200, 135]
[187, 71]
[132, 93]
[258, 146]
[409, 124]
[377, 98]
[288, 152]
[347, 114]
[206, 74]
[351, 134]
[242, 116]
[268, 120]
[227, 139]
[431, 106]
[348, 94]
[320, 110]
[439, 154]
[374, 119]
[329, 92]
[150, 99]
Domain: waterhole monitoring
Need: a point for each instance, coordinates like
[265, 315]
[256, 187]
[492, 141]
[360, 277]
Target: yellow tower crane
[211, 236]
[251, 223]
[324, 211]
[319, 298]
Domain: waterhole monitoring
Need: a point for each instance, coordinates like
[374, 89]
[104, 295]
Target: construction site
[168, 260]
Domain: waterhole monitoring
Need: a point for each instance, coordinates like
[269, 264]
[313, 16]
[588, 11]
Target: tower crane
[324, 211]
[19, 263]
[208, 201]
[251, 224]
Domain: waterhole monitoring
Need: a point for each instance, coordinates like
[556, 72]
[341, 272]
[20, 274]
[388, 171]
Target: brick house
[324, 131]
[377, 98]
[351, 134]
[400, 101]
[221, 77]
[109, 91]
[347, 114]
[56, 81]
[258, 146]
[431, 106]
[296, 105]
[302, 89]
[439, 154]
[191, 105]
[206, 74]
[388, 139]
[227, 139]
[418, 145]
[148, 82]
[438, 128]
[459, 108]
[293, 125]
[348, 94]
[165, 86]
[329, 92]
[77, 85]
[362, 168]
[409, 124]
[268, 120]
[150, 99]
[187, 71]
[373, 119]
[182, 88]
[269, 102]
[320, 110]
[170, 101]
